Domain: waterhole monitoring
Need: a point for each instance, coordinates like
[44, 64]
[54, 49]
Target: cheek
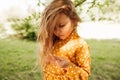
[69, 27]
[67, 30]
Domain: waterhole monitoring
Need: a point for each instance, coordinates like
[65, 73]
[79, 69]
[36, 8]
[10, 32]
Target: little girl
[64, 55]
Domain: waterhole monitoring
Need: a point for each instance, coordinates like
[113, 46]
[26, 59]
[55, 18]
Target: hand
[61, 62]
[58, 61]
[50, 59]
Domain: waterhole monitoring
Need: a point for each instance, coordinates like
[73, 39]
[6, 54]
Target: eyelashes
[62, 25]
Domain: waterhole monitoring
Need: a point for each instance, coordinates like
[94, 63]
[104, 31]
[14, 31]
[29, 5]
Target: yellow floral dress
[75, 50]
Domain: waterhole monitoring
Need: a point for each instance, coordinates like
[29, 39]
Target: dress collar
[73, 35]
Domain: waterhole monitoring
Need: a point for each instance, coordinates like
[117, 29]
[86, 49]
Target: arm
[82, 62]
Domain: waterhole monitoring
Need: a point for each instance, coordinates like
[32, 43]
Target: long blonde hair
[46, 38]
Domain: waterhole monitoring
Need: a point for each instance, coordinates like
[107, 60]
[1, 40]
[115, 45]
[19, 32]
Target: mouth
[61, 35]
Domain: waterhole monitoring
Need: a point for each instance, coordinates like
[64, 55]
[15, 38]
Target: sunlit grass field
[18, 59]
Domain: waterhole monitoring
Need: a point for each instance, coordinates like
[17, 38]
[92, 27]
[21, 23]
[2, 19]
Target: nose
[57, 30]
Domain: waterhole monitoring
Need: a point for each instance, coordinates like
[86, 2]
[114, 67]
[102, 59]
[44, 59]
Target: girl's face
[64, 27]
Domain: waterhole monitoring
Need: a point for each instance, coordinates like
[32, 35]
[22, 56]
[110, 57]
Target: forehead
[62, 18]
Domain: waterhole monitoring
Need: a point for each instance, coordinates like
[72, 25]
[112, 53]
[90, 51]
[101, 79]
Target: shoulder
[82, 48]
[81, 43]
[78, 40]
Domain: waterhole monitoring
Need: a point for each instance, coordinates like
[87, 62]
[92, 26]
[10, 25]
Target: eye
[61, 26]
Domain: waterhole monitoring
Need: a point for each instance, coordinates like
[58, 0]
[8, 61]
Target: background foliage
[95, 10]
[27, 28]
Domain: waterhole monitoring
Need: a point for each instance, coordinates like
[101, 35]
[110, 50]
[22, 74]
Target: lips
[60, 35]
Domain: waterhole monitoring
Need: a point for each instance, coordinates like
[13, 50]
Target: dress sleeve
[81, 65]
[83, 59]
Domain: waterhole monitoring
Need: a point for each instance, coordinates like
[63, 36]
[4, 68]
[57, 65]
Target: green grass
[105, 63]
[18, 58]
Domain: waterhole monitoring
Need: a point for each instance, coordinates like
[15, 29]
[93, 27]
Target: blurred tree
[1, 28]
[27, 28]
[78, 2]
[110, 10]
[97, 10]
